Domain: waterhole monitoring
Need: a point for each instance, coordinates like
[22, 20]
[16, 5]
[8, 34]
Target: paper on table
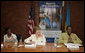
[68, 44]
[40, 43]
[78, 44]
[59, 46]
[31, 45]
[71, 45]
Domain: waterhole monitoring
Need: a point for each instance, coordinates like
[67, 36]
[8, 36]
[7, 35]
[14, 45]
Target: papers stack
[71, 45]
[30, 45]
[59, 46]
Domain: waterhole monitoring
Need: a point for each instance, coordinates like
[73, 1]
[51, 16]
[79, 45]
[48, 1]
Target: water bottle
[55, 42]
[21, 39]
[16, 44]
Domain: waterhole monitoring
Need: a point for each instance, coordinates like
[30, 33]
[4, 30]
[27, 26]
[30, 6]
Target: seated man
[36, 38]
[9, 36]
[69, 37]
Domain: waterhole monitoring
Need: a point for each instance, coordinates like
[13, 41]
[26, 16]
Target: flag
[67, 23]
[63, 4]
[61, 11]
[30, 24]
[61, 14]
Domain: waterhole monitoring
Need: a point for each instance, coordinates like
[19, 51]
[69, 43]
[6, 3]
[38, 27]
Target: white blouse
[10, 39]
[40, 39]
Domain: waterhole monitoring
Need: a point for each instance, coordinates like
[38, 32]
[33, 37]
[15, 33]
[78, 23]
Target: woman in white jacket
[9, 36]
[36, 38]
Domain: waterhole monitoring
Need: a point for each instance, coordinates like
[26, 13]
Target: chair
[19, 37]
[49, 40]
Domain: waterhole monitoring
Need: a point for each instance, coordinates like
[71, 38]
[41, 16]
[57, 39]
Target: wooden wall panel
[15, 15]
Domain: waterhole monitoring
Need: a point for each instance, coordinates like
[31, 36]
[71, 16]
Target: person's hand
[70, 39]
[32, 42]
